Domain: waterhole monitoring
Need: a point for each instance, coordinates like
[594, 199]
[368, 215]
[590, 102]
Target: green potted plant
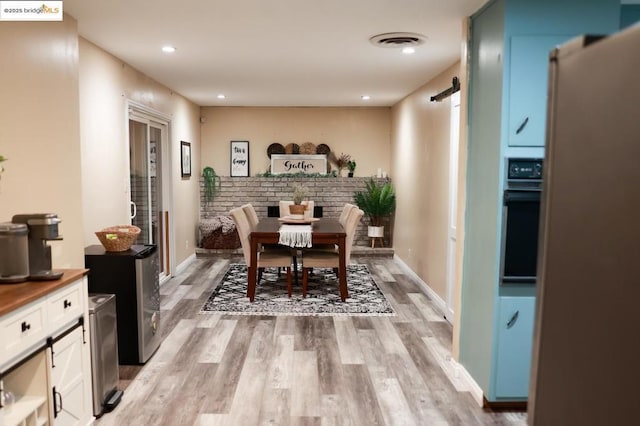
[351, 165]
[377, 201]
[211, 183]
[299, 194]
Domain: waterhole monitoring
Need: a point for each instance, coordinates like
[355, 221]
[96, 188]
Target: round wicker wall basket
[118, 238]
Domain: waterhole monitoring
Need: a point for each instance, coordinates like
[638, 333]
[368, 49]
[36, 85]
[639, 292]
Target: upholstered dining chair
[344, 216]
[267, 257]
[252, 216]
[330, 259]
[284, 208]
[345, 213]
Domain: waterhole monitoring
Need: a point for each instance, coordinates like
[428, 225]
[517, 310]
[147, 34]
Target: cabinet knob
[66, 303]
[25, 326]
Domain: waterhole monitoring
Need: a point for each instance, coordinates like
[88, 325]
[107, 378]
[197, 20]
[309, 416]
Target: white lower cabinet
[70, 399]
[50, 375]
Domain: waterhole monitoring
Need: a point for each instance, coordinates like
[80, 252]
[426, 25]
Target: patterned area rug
[323, 295]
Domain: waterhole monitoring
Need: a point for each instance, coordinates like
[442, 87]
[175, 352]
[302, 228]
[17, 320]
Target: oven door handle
[523, 196]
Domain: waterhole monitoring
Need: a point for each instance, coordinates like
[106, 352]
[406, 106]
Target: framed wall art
[185, 159]
[239, 158]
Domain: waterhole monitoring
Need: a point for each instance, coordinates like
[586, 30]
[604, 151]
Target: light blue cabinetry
[528, 88]
[515, 341]
[509, 49]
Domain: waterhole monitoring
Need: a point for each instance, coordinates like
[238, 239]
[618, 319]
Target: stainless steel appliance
[585, 354]
[104, 352]
[133, 276]
[520, 217]
[43, 227]
[14, 253]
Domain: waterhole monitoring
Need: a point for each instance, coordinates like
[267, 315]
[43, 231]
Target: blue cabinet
[515, 342]
[528, 75]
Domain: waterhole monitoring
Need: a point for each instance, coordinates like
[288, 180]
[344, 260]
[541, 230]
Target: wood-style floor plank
[218, 369]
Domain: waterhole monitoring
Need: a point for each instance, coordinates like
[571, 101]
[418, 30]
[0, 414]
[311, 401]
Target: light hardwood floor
[266, 370]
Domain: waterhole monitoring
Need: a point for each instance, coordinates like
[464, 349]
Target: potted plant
[351, 165]
[377, 201]
[211, 183]
[299, 194]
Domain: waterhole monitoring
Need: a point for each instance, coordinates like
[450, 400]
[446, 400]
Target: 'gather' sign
[284, 163]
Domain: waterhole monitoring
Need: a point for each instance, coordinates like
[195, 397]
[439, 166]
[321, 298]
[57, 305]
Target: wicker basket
[118, 238]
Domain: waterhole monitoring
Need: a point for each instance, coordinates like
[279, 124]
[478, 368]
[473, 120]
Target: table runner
[295, 235]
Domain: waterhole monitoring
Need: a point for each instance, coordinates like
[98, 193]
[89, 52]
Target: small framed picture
[239, 158]
[185, 159]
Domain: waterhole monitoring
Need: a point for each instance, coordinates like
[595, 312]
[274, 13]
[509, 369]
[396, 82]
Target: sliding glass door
[148, 143]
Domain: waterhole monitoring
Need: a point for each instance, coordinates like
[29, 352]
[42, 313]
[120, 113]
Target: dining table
[323, 231]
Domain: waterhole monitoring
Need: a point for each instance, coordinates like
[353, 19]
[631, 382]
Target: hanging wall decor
[239, 158]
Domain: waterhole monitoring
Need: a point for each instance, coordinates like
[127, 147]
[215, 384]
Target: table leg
[252, 270]
[342, 269]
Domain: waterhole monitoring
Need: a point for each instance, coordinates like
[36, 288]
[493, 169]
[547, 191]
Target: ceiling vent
[397, 39]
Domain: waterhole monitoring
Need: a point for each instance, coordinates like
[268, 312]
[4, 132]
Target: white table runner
[295, 235]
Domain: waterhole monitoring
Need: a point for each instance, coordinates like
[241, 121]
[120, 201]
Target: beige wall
[420, 154]
[106, 84]
[363, 133]
[39, 129]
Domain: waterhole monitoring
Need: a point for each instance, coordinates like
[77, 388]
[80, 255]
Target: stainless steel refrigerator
[586, 352]
[133, 277]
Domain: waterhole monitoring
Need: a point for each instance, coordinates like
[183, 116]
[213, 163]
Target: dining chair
[330, 259]
[345, 213]
[267, 257]
[252, 216]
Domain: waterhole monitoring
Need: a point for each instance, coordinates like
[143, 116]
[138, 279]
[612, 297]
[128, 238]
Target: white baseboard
[474, 389]
[459, 371]
[184, 264]
[441, 305]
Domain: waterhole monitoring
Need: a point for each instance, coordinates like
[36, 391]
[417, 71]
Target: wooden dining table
[323, 231]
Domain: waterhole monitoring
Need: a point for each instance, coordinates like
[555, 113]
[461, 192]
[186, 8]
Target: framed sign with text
[239, 158]
[283, 163]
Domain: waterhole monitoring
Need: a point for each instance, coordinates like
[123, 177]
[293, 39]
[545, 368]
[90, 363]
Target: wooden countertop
[14, 296]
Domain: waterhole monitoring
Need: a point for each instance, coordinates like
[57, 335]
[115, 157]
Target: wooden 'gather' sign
[284, 163]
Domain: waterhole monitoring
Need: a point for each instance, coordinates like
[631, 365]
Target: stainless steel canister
[14, 253]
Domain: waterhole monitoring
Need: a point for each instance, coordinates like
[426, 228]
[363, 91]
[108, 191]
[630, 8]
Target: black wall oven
[521, 216]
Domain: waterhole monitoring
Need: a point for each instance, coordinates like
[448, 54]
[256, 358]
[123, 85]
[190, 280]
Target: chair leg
[305, 279]
[260, 270]
[289, 281]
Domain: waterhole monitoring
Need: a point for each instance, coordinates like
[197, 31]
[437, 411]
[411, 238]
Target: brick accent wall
[262, 192]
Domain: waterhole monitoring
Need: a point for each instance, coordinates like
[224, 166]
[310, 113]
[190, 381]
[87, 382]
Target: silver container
[41, 225]
[14, 253]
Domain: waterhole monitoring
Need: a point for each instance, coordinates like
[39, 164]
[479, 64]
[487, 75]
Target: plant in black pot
[377, 201]
[351, 165]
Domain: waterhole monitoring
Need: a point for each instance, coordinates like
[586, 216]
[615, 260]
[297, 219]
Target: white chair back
[252, 216]
[350, 229]
[345, 213]
[244, 228]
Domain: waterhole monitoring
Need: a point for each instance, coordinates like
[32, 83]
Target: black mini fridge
[133, 276]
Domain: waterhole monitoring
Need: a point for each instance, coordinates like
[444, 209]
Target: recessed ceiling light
[408, 50]
[221, 96]
[168, 49]
[365, 97]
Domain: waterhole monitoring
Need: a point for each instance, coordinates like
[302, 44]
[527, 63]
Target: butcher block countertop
[14, 296]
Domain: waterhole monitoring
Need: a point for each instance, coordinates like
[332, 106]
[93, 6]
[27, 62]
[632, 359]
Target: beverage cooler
[131, 275]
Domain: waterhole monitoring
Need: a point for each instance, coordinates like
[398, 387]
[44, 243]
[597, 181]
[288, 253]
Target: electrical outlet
[186, 244]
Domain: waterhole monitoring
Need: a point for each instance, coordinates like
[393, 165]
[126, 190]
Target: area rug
[323, 295]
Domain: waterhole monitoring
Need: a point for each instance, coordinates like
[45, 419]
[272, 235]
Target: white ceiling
[278, 52]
